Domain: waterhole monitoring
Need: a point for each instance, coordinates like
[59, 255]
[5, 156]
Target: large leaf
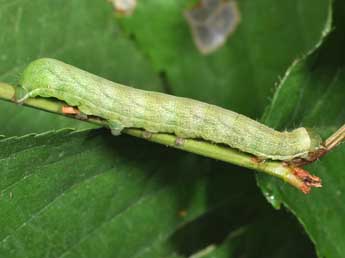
[271, 35]
[90, 194]
[80, 32]
[260, 239]
[313, 94]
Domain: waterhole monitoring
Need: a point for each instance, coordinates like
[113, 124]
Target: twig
[335, 139]
[295, 176]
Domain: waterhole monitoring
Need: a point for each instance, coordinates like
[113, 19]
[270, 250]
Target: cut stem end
[307, 179]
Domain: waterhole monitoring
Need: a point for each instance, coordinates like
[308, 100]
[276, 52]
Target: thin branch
[295, 176]
[335, 139]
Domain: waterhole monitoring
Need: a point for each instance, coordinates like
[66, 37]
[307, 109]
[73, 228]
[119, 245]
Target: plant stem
[296, 177]
[335, 139]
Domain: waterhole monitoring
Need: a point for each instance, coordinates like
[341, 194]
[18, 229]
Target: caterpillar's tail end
[308, 180]
[315, 140]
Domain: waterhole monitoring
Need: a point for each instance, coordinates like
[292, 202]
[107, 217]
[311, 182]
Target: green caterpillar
[125, 107]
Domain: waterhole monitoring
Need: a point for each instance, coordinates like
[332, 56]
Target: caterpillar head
[39, 74]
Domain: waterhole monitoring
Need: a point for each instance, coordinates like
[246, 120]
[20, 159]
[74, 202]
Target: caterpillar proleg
[126, 107]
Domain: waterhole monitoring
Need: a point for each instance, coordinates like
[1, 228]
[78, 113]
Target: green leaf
[89, 194]
[71, 190]
[270, 36]
[82, 33]
[260, 239]
[313, 94]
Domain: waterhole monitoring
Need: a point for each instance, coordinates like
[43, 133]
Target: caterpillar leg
[258, 159]
[147, 135]
[81, 116]
[115, 127]
[179, 141]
